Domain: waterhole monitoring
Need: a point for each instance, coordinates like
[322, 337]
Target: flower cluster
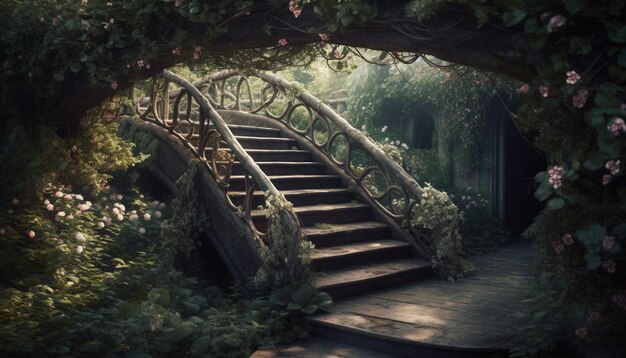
[580, 98]
[556, 176]
[294, 8]
[572, 77]
[616, 126]
[614, 167]
[566, 240]
[556, 22]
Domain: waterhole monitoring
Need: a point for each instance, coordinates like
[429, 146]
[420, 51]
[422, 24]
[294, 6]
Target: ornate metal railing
[191, 117]
[392, 190]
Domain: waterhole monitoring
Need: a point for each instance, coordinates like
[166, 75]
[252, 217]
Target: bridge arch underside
[227, 251]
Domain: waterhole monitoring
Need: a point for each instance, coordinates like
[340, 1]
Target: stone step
[291, 182]
[300, 197]
[323, 213]
[337, 234]
[283, 168]
[236, 129]
[372, 276]
[274, 155]
[267, 142]
[333, 257]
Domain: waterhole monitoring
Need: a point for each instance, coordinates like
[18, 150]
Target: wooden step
[322, 213]
[334, 257]
[267, 142]
[283, 168]
[389, 337]
[291, 182]
[373, 276]
[316, 347]
[300, 197]
[337, 234]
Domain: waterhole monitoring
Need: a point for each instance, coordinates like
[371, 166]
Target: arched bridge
[257, 138]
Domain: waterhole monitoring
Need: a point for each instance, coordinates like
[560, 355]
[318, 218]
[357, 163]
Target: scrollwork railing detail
[190, 116]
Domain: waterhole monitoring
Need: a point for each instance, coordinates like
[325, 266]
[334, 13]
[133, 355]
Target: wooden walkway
[474, 316]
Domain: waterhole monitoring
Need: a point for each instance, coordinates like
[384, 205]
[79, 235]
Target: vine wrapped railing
[188, 115]
[386, 183]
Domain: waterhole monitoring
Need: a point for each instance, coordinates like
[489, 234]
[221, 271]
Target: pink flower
[85, 2]
[608, 242]
[609, 266]
[323, 37]
[556, 22]
[31, 234]
[582, 333]
[616, 126]
[613, 166]
[580, 98]
[15, 201]
[176, 51]
[606, 179]
[572, 77]
[114, 85]
[74, 149]
[141, 231]
[558, 247]
[544, 90]
[619, 299]
[140, 63]
[337, 54]
[556, 176]
[568, 239]
[523, 88]
[296, 13]
[282, 42]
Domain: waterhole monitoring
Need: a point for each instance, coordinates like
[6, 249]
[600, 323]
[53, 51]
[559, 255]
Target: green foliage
[189, 218]
[481, 232]
[285, 260]
[438, 215]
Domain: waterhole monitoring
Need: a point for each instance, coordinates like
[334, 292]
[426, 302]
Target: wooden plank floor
[478, 312]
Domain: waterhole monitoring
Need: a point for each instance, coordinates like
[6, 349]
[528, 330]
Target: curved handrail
[159, 112]
[288, 103]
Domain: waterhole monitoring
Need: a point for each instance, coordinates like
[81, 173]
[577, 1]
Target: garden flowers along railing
[188, 115]
[389, 187]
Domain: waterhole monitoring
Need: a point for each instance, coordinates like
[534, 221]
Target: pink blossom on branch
[580, 98]
[613, 166]
[523, 88]
[617, 126]
[282, 42]
[568, 239]
[556, 22]
[572, 77]
[323, 37]
[556, 176]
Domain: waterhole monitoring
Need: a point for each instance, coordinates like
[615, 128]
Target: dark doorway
[423, 129]
[515, 164]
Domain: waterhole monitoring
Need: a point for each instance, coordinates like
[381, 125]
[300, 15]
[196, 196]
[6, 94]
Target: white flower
[141, 231]
[100, 224]
[397, 142]
[405, 146]
[155, 203]
[120, 217]
[157, 214]
[88, 203]
[58, 194]
[31, 234]
[80, 237]
[79, 197]
[162, 206]
[79, 249]
[383, 129]
[146, 217]
[116, 211]
[386, 139]
[363, 128]
[133, 217]
[119, 197]
[46, 202]
[50, 207]
[68, 197]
